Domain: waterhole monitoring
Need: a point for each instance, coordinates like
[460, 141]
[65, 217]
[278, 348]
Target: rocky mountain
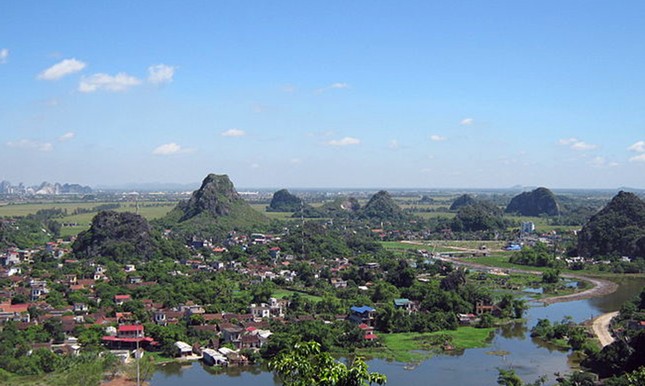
[47, 188]
[119, 235]
[214, 208]
[617, 230]
[382, 207]
[463, 200]
[283, 201]
[480, 216]
[534, 203]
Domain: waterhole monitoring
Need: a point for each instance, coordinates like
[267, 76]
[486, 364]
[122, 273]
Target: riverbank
[600, 287]
[600, 327]
[121, 380]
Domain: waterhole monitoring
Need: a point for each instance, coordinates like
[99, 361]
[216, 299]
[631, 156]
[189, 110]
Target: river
[511, 347]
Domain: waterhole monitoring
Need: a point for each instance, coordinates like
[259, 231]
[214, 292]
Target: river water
[511, 347]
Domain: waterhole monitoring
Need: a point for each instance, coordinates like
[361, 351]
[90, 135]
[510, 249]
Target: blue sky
[378, 94]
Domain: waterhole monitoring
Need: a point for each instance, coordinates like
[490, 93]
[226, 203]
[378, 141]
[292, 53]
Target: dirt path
[600, 327]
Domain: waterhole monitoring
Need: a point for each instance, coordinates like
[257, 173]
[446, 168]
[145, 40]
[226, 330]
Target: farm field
[411, 347]
[272, 215]
[75, 223]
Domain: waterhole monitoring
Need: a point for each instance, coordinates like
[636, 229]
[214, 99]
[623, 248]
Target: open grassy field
[272, 215]
[412, 347]
[447, 245]
[148, 210]
[542, 224]
[281, 293]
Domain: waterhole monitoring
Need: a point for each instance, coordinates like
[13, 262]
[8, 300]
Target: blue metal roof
[362, 309]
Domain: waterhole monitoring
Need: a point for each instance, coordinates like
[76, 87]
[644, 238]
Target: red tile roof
[130, 327]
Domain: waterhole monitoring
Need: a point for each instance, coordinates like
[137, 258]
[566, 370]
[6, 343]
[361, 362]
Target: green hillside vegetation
[381, 207]
[123, 237]
[463, 200]
[340, 207]
[540, 201]
[25, 232]
[617, 230]
[481, 216]
[283, 201]
[213, 210]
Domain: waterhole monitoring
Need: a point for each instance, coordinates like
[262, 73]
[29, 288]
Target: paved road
[601, 328]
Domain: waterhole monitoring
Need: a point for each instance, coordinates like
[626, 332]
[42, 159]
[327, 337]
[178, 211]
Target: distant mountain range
[45, 188]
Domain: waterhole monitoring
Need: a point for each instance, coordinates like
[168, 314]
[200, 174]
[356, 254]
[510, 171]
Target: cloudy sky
[378, 94]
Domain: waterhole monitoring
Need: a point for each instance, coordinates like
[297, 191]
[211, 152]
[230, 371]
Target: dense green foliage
[283, 201]
[341, 207]
[381, 207]
[306, 365]
[478, 217]
[540, 201]
[617, 230]
[31, 230]
[124, 237]
[463, 200]
[537, 256]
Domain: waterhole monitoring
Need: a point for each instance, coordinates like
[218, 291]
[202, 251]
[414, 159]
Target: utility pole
[137, 355]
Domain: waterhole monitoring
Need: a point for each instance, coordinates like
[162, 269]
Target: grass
[443, 246]
[428, 215]
[413, 347]
[148, 210]
[272, 215]
[281, 293]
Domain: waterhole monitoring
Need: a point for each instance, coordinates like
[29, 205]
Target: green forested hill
[617, 230]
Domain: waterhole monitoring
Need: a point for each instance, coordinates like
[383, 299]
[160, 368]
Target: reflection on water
[513, 330]
[511, 347]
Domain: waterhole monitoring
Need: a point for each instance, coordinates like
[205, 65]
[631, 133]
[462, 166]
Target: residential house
[405, 304]
[120, 299]
[231, 334]
[183, 349]
[363, 314]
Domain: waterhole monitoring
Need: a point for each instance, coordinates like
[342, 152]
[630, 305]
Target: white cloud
[67, 136]
[638, 147]
[333, 86]
[233, 133]
[467, 121]
[567, 141]
[576, 144]
[601, 162]
[638, 158]
[295, 161]
[160, 73]
[61, 69]
[437, 138]
[339, 85]
[255, 166]
[4, 55]
[583, 146]
[394, 144]
[168, 149]
[344, 141]
[118, 82]
[28, 144]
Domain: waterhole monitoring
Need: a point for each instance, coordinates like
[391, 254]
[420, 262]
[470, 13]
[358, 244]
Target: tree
[508, 378]
[551, 276]
[306, 365]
